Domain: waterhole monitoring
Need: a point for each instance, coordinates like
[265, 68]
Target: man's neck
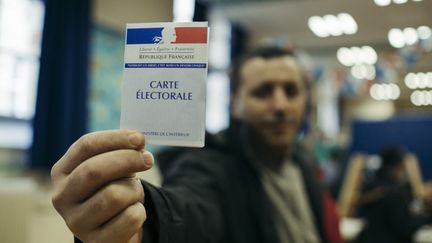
[268, 155]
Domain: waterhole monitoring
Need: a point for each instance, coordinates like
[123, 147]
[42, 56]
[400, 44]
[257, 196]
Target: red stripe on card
[190, 35]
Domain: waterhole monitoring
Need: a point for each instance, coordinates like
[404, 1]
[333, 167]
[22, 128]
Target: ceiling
[287, 19]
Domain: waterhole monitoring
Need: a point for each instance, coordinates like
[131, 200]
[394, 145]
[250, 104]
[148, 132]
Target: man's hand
[96, 190]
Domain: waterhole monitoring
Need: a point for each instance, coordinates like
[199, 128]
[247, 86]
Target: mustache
[278, 118]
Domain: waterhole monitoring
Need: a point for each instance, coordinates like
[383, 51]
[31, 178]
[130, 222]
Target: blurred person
[252, 183]
[386, 202]
[428, 193]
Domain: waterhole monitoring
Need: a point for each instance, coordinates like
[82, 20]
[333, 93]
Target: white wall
[115, 14]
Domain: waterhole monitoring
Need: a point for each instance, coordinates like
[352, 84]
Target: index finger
[96, 143]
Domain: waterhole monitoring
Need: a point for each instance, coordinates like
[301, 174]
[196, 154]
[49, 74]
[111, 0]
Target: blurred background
[61, 67]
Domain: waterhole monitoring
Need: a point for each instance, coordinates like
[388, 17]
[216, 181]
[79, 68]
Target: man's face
[271, 98]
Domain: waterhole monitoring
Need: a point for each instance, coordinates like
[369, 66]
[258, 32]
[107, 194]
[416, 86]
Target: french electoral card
[164, 87]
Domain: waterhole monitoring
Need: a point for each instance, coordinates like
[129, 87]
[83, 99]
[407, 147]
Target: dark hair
[265, 52]
[391, 157]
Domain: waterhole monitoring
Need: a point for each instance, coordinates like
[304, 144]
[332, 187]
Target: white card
[164, 84]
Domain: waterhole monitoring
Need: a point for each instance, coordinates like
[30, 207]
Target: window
[21, 24]
[217, 113]
[217, 105]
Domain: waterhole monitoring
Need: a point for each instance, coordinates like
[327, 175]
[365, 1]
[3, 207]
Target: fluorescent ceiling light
[331, 25]
[382, 2]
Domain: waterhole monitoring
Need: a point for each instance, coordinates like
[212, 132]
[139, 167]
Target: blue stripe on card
[143, 35]
[165, 65]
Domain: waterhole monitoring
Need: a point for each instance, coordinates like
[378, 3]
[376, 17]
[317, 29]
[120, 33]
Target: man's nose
[280, 100]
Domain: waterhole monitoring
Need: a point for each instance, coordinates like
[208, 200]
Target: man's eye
[263, 91]
[291, 90]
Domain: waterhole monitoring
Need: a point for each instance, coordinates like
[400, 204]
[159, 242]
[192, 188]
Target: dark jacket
[387, 213]
[215, 195]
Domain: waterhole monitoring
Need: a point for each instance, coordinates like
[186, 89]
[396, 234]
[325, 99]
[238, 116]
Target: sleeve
[187, 209]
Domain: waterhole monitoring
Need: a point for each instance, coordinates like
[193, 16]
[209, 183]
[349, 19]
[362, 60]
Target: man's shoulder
[215, 154]
[207, 155]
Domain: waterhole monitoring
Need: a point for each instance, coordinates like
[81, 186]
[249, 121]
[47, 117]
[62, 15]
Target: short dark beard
[273, 156]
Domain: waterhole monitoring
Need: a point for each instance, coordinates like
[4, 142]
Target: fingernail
[148, 158]
[135, 139]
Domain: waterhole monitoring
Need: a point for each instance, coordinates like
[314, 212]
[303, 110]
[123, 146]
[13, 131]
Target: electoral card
[164, 87]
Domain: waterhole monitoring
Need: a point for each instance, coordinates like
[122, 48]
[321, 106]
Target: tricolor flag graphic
[167, 35]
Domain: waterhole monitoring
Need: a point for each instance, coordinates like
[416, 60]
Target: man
[251, 183]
